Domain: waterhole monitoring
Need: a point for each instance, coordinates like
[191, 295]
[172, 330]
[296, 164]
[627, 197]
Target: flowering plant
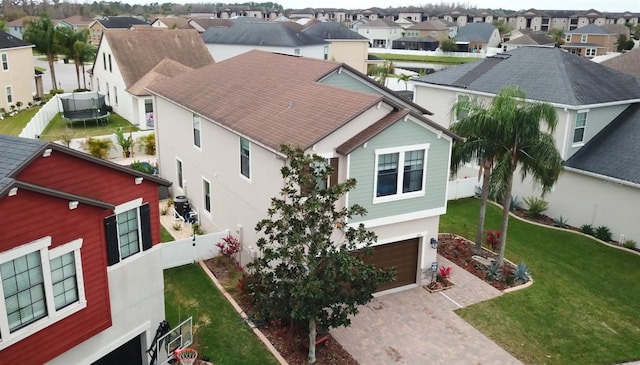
[229, 247]
[493, 239]
[445, 272]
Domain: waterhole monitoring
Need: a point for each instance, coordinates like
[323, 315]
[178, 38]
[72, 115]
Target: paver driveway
[416, 327]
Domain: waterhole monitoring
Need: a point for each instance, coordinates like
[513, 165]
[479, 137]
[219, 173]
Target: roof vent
[46, 152]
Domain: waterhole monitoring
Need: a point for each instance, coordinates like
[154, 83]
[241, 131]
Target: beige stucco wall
[352, 52]
[19, 76]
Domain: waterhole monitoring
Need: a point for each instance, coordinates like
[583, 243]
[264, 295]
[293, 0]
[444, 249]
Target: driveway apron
[417, 327]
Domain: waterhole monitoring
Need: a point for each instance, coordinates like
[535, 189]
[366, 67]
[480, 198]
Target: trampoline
[85, 106]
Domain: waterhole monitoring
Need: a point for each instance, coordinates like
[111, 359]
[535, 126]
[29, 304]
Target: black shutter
[145, 225]
[111, 235]
[333, 179]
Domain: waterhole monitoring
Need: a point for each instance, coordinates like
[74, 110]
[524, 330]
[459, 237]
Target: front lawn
[58, 127]
[429, 59]
[220, 333]
[583, 306]
[13, 126]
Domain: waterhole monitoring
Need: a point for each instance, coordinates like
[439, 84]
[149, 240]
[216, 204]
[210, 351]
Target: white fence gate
[191, 250]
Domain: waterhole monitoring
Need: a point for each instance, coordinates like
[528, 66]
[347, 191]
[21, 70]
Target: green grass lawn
[14, 125]
[430, 59]
[221, 335]
[58, 128]
[165, 236]
[583, 306]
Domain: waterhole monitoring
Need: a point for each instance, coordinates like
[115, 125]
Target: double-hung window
[462, 113]
[39, 287]
[206, 195]
[179, 173]
[400, 172]
[196, 130]
[5, 61]
[9, 92]
[583, 38]
[581, 125]
[590, 52]
[128, 231]
[110, 66]
[245, 157]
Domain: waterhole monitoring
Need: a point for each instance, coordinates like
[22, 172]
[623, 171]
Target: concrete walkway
[418, 327]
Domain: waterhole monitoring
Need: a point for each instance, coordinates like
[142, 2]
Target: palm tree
[526, 146]
[502, 136]
[557, 34]
[405, 78]
[478, 129]
[41, 33]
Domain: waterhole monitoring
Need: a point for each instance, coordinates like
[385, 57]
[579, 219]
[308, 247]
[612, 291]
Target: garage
[403, 255]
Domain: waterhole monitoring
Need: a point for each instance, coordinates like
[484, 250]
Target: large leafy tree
[42, 34]
[557, 34]
[301, 273]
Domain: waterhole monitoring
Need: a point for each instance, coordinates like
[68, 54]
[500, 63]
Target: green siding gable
[347, 81]
[403, 133]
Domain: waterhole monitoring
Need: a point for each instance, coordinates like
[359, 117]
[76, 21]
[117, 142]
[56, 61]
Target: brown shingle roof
[370, 132]
[175, 22]
[167, 68]
[79, 20]
[628, 63]
[138, 51]
[270, 98]
[206, 23]
[430, 25]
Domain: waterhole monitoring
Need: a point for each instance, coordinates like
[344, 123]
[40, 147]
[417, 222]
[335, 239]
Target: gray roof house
[588, 192]
[477, 37]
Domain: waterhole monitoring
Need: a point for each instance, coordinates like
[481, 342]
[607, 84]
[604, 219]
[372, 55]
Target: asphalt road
[65, 75]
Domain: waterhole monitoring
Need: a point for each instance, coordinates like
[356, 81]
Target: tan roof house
[128, 60]
[429, 28]
[173, 22]
[220, 129]
[590, 41]
[16, 71]
[78, 22]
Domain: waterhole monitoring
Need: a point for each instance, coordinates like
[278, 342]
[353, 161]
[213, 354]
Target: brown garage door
[403, 255]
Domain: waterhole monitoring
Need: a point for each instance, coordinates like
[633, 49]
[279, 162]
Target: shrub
[229, 247]
[515, 203]
[521, 272]
[494, 272]
[100, 147]
[537, 206]
[19, 104]
[630, 244]
[560, 222]
[164, 211]
[149, 143]
[177, 226]
[603, 233]
[170, 202]
[493, 239]
[142, 166]
[125, 142]
[445, 272]
[197, 229]
[587, 229]
[56, 91]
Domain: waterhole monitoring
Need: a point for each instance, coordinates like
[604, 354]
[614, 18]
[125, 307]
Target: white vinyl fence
[191, 250]
[462, 188]
[42, 118]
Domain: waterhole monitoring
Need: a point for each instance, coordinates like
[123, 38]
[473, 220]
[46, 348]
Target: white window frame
[240, 158]
[115, 93]
[206, 182]
[296, 51]
[584, 38]
[9, 94]
[458, 97]
[122, 208]
[4, 56]
[399, 195]
[583, 127]
[590, 52]
[197, 126]
[567, 37]
[180, 173]
[53, 315]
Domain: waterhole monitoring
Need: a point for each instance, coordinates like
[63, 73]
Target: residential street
[65, 74]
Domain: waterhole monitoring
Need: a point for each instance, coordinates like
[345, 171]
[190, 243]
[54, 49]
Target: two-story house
[16, 71]
[220, 129]
[590, 41]
[128, 60]
[98, 26]
[80, 270]
[175, 22]
[381, 32]
[566, 81]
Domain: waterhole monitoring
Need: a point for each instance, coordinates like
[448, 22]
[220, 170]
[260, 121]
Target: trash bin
[180, 202]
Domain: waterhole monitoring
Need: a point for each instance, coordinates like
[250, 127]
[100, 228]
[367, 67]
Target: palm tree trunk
[77, 73]
[84, 77]
[312, 341]
[54, 83]
[483, 206]
[506, 207]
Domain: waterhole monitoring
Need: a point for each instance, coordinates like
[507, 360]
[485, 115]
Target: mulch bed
[289, 341]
